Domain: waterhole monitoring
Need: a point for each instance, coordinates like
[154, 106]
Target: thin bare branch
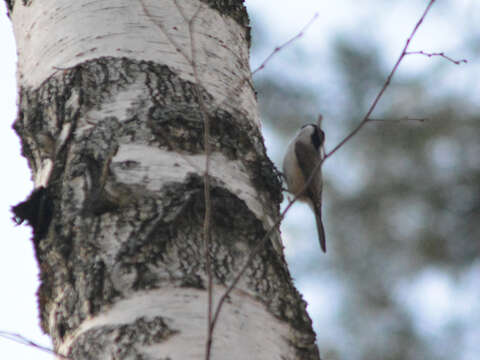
[206, 187]
[24, 341]
[399, 120]
[440, 54]
[162, 28]
[385, 85]
[172, 41]
[264, 63]
[212, 317]
[365, 119]
[206, 190]
[258, 247]
[190, 22]
[285, 44]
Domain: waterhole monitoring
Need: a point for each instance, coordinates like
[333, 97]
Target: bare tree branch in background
[206, 138]
[213, 319]
[384, 87]
[440, 54]
[285, 44]
[406, 118]
[24, 341]
[364, 121]
[264, 63]
[206, 183]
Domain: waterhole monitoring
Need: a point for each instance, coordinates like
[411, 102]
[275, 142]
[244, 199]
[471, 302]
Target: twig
[206, 183]
[382, 90]
[264, 63]
[24, 341]
[441, 54]
[398, 120]
[259, 246]
[251, 255]
[365, 119]
[164, 30]
[178, 48]
[206, 138]
[285, 44]
[206, 190]
[206, 186]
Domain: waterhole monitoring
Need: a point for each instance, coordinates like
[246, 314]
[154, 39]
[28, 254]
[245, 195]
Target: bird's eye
[321, 135]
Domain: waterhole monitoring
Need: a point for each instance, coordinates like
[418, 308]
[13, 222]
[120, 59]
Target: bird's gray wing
[308, 159]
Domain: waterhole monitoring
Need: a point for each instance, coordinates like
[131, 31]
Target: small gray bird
[303, 154]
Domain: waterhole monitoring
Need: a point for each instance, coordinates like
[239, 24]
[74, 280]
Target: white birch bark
[112, 128]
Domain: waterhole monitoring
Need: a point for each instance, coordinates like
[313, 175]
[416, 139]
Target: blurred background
[401, 279]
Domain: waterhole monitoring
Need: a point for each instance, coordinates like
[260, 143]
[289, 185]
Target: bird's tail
[320, 230]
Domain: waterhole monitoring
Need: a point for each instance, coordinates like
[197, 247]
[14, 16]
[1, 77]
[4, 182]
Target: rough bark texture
[116, 148]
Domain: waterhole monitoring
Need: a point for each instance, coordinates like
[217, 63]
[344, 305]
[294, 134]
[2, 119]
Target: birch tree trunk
[112, 124]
